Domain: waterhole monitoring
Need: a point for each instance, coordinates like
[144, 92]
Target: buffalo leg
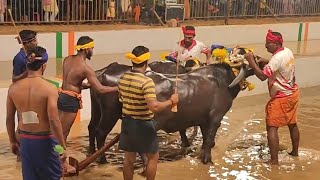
[204, 131]
[105, 126]
[184, 138]
[209, 140]
[94, 122]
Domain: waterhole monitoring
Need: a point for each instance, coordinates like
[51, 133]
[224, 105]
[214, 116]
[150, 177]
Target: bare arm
[55, 123]
[19, 77]
[257, 71]
[95, 84]
[262, 61]
[208, 60]
[11, 110]
[156, 106]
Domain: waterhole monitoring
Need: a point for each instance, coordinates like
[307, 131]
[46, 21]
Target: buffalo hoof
[102, 160]
[207, 161]
[206, 158]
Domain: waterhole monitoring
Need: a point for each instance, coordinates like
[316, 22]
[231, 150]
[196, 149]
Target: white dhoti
[125, 5]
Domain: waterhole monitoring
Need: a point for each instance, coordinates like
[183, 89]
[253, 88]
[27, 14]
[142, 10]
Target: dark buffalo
[106, 109]
[206, 94]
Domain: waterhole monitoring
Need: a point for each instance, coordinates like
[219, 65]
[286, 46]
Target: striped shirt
[134, 89]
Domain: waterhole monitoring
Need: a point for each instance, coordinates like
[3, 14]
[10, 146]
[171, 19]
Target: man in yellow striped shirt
[139, 103]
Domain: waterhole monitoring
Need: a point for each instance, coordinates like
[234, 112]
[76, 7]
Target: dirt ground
[8, 28]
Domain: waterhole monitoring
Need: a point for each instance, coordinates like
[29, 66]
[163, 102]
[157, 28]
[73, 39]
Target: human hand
[15, 148]
[64, 155]
[85, 85]
[174, 98]
[249, 55]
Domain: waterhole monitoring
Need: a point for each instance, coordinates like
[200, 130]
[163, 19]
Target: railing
[74, 11]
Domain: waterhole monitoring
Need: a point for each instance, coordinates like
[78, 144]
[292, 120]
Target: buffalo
[206, 94]
[106, 108]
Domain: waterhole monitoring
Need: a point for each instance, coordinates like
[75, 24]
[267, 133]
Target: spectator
[50, 7]
[111, 11]
[287, 7]
[3, 7]
[125, 6]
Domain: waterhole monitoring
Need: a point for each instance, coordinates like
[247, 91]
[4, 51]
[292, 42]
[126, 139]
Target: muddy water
[241, 148]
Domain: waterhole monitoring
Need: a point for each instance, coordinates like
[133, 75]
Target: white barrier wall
[314, 31]
[121, 41]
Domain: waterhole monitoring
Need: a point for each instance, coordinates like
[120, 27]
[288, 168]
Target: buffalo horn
[240, 76]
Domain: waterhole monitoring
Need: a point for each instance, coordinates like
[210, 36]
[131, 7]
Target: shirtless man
[75, 70]
[39, 126]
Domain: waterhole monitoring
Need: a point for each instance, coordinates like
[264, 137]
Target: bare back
[74, 68]
[33, 98]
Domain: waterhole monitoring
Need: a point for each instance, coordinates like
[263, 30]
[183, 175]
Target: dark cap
[26, 36]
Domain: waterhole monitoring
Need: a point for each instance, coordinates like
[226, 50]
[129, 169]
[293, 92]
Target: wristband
[59, 149]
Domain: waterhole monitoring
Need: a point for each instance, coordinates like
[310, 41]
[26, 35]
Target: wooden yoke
[83, 164]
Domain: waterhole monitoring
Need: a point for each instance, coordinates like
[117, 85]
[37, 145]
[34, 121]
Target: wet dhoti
[39, 160]
[282, 111]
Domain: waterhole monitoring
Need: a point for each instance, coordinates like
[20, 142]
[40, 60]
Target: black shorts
[138, 136]
[68, 103]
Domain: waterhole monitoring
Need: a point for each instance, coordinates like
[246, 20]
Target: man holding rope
[138, 133]
[281, 110]
[75, 70]
[190, 48]
[29, 40]
[39, 126]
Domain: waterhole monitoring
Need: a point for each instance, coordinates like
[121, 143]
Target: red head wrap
[273, 38]
[188, 32]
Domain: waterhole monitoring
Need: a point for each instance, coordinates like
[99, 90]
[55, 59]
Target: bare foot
[295, 154]
[68, 169]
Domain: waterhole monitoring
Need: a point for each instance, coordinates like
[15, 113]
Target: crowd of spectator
[101, 10]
